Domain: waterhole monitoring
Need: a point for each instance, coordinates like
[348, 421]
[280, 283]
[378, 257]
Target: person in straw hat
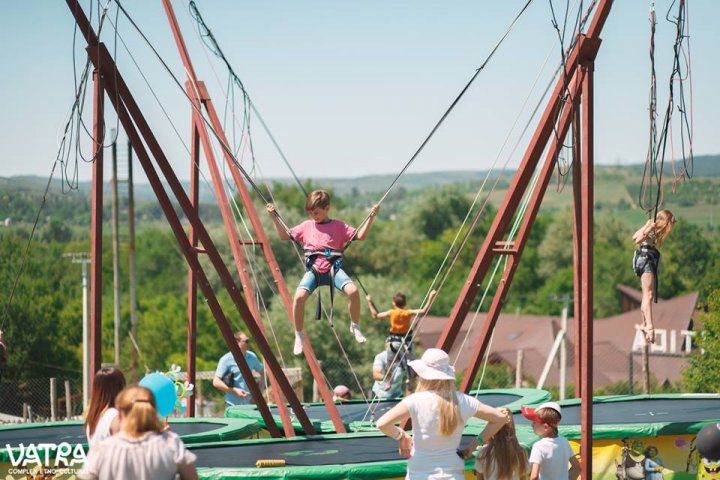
[439, 413]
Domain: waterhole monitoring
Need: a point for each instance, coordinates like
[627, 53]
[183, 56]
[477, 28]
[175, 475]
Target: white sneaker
[355, 330]
[298, 347]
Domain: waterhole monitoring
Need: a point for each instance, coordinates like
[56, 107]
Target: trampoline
[191, 430]
[356, 418]
[367, 455]
[629, 430]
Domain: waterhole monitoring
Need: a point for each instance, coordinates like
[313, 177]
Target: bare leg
[354, 309]
[301, 295]
[647, 280]
[353, 302]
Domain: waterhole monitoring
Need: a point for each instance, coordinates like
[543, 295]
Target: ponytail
[138, 407]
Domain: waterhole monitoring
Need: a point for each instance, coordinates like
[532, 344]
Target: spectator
[228, 378]
[101, 420]
[142, 449]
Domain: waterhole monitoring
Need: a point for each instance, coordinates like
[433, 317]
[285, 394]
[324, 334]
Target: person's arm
[535, 471]
[424, 310]
[374, 312]
[365, 228]
[496, 419]
[378, 373]
[115, 425]
[468, 451]
[386, 424]
[220, 385]
[643, 232]
[279, 227]
[187, 472]
[574, 468]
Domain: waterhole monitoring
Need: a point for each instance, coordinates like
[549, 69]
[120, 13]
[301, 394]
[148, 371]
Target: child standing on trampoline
[550, 456]
[323, 240]
[646, 263]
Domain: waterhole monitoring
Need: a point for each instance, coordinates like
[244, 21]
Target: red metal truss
[202, 98]
[140, 134]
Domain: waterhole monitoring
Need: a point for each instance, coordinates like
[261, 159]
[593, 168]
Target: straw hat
[434, 365]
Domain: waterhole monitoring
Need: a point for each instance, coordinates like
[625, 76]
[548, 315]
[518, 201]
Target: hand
[368, 298]
[508, 414]
[271, 209]
[240, 392]
[374, 211]
[406, 444]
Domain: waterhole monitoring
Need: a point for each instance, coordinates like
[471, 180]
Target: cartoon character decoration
[632, 461]
[168, 390]
[707, 444]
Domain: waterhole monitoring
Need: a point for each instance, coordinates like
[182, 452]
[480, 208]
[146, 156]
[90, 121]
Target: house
[617, 342]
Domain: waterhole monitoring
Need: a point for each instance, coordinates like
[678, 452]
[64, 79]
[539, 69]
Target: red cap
[531, 413]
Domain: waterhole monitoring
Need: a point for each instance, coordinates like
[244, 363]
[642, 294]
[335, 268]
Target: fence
[40, 399]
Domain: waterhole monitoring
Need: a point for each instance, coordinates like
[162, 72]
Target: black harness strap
[643, 257]
[335, 258]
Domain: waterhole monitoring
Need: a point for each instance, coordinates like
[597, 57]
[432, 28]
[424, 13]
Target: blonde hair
[137, 405]
[448, 408]
[664, 221]
[504, 451]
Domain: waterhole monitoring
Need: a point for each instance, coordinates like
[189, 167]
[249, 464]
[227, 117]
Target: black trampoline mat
[358, 411]
[75, 434]
[349, 412]
[309, 452]
[659, 410]
[498, 399]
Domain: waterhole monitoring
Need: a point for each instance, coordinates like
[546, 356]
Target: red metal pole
[192, 284]
[577, 235]
[96, 224]
[257, 225]
[586, 250]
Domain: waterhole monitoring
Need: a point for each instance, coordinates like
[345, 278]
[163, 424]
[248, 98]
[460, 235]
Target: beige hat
[434, 365]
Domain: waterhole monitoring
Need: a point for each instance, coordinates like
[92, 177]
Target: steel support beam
[96, 224]
[191, 283]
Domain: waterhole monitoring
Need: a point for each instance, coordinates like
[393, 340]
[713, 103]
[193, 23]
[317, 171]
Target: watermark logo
[45, 458]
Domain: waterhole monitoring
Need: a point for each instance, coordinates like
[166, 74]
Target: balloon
[164, 391]
[708, 442]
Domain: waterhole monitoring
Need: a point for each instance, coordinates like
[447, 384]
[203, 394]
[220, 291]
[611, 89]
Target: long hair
[664, 221]
[505, 453]
[137, 405]
[107, 383]
[448, 408]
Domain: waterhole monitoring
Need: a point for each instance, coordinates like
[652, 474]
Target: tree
[703, 371]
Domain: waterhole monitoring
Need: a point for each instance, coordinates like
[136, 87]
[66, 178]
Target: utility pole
[84, 258]
[131, 268]
[566, 299]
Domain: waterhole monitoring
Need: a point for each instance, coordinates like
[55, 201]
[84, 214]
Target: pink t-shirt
[319, 236]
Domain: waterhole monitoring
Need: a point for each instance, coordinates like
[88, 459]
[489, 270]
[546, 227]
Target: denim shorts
[309, 282]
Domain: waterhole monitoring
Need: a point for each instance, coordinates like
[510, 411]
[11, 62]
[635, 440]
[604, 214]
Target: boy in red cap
[550, 455]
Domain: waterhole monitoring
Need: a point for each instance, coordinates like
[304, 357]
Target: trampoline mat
[687, 410]
[349, 412]
[74, 433]
[310, 452]
[358, 411]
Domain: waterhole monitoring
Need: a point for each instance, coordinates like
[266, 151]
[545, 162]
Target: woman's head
[137, 410]
[107, 383]
[664, 221]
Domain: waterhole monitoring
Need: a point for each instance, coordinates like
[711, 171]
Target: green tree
[703, 371]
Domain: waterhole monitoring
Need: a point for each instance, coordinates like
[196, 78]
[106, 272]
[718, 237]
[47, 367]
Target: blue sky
[352, 88]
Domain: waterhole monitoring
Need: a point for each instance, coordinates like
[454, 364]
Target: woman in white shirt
[439, 413]
[101, 420]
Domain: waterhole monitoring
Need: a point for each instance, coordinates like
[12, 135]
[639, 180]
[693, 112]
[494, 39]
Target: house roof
[614, 339]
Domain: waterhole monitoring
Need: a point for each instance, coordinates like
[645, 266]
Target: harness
[335, 258]
[646, 255]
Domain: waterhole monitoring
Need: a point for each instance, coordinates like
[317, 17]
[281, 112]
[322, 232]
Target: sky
[351, 88]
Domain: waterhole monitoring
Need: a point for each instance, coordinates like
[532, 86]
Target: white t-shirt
[155, 456]
[102, 429]
[553, 455]
[434, 455]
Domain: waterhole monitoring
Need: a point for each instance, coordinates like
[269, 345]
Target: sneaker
[298, 347]
[355, 330]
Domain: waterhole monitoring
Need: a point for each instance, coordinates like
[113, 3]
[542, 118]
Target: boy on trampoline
[400, 317]
[323, 240]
